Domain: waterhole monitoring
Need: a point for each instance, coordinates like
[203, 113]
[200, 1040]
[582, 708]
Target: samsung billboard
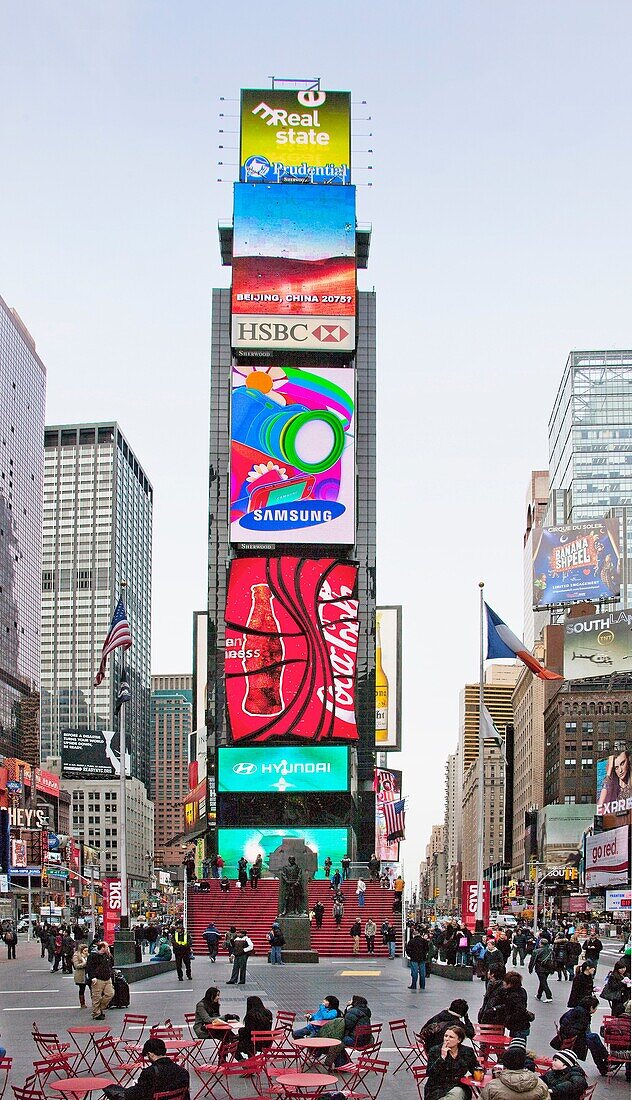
[284, 770]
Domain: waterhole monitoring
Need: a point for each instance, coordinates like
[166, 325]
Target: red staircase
[255, 910]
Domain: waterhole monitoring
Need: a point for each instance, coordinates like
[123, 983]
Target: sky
[500, 170]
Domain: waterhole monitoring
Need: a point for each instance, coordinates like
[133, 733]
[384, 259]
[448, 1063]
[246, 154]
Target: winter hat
[566, 1057]
[518, 1043]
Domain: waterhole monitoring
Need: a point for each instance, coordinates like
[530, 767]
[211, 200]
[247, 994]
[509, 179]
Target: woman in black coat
[617, 988]
[257, 1018]
[512, 1009]
[583, 983]
[448, 1063]
[487, 1013]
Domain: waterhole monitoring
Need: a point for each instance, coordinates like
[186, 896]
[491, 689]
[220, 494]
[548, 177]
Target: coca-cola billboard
[291, 649]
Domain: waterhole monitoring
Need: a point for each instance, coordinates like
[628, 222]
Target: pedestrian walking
[58, 948]
[79, 963]
[327, 867]
[518, 947]
[345, 864]
[211, 936]
[560, 955]
[338, 912]
[354, 932]
[593, 948]
[392, 941]
[370, 929]
[319, 912]
[417, 951]
[68, 949]
[543, 964]
[181, 942]
[100, 972]
[228, 941]
[242, 949]
[360, 892]
[276, 939]
[10, 938]
[336, 880]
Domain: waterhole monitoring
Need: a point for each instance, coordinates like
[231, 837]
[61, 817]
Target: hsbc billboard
[294, 268]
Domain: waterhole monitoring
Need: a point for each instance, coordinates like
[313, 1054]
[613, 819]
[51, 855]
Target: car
[504, 920]
[23, 924]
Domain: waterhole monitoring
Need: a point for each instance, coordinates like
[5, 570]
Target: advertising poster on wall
[233, 843]
[607, 858]
[388, 788]
[294, 268]
[614, 783]
[280, 770]
[597, 645]
[91, 754]
[291, 647]
[111, 907]
[292, 459]
[469, 901]
[388, 678]
[576, 562]
[290, 135]
[618, 901]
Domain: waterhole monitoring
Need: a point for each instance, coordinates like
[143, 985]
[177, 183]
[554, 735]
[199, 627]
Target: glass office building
[22, 411]
[97, 532]
[590, 447]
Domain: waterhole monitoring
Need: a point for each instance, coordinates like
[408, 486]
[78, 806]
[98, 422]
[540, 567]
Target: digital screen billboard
[294, 268]
[280, 770]
[295, 136]
[576, 562]
[291, 649]
[597, 645]
[388, 678]
[292, 458]
[232, 844]
[614, 783]
[91, 754]
[388, 788]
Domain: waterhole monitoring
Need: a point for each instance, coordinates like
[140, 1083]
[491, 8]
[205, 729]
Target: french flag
[502, 642]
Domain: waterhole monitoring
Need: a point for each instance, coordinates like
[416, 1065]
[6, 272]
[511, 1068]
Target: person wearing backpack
[543, 964]
[276, 939]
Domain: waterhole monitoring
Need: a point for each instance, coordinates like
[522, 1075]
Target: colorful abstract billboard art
[292, 459]
[291, 649]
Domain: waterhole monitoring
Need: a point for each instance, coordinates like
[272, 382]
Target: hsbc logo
[315, 333]
[244, 769]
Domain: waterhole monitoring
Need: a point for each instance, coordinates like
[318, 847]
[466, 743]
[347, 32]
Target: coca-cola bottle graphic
[263, 649]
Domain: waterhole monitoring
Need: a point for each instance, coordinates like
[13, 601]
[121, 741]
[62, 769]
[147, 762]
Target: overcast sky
[501, 239]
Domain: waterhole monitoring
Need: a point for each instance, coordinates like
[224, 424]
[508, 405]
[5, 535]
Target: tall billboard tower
[291, 596]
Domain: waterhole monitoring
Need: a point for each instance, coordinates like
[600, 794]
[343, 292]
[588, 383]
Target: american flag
[119, 637]
[394, 815]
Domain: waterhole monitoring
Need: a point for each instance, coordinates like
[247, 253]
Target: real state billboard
[597, 645]
[292, 457]
[579, 561]
[291, 135]
[276, 770]
[291, 647]
[614, 783]
[388, 678]
[607, 858]
[235, 843]
[91, 754]
[388, 788]
[294, 268]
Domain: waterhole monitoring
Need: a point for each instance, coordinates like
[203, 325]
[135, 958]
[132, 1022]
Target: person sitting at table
[207, 1011]
[433, 1030]
[575, 1024]
[515, 1080]
[257, 1018]
[356, 1015]
[566, 1079]
[447, 1064]
[161, 1075]
[328, 1010]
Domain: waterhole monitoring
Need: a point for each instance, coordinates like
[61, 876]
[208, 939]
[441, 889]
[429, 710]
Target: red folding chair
[367, 1080]
[132, 1020]
[48, 1043]
[226, 1073]
[30, 1090]
[409, 1051]
[616, 1033]
[420, 1074]
[5, 1069]
[189, 1019]
[165, 1031]
[173, 1094]
[285, 1020]
[59, 1066]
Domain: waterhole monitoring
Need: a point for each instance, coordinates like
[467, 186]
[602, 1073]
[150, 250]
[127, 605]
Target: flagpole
[480, 849]
[122, 814]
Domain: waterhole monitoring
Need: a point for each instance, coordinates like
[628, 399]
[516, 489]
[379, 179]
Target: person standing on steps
[338, 912]
[255, 872]
[345, 863]
[370, 929]
[360, 892]
[242, 872]
[319, 912]
[392, 941]
[327, 867]
[242, 948]
[211, 935]
[182, 950]
[354, 932]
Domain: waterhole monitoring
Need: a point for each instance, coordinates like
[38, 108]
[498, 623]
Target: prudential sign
[283, 770]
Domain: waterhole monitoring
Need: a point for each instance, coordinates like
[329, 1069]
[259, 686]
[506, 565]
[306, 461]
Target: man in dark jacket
[592, 948]
[542, 963]
[211, 937]
[512, 1009]
[433, 1030]
[181, 942]
[100, 972]
[566, 1079]
[494, 995]
[242, 948]
[417, 951]
[161, 1075]
[319, 911]
[518, 947]
[575, 1024]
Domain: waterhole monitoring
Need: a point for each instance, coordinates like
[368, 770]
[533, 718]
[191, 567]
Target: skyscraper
[171, 707]
[22, 410]
[97, 532]
[590, 446]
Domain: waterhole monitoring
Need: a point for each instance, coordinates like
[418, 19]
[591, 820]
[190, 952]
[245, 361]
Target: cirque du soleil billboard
[576, 562]
[292, 459]
[294, 268]
[291, 649]
[597, 645]
[295, 136]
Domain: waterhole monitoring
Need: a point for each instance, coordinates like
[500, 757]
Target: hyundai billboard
[576, 562]
[294, 268]
[292, 458]
[290, 135]
[285, 770]
[235, 843]
[291, 648]
[597, 645]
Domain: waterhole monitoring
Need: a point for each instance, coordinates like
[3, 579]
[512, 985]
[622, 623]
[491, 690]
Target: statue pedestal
[296, 932]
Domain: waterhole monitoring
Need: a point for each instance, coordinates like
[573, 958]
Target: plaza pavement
[28, 992]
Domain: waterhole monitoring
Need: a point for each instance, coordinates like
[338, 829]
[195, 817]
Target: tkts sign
[291, 648]
[469, 898]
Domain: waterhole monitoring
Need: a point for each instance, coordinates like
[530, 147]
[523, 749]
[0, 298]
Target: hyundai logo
[244, 769]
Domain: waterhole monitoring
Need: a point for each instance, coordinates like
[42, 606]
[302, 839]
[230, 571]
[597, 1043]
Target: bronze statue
[291, 889]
